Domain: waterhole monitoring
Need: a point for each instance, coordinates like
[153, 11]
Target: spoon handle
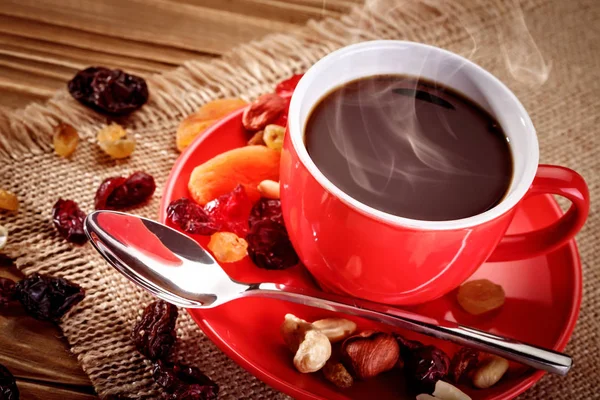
[532, 356]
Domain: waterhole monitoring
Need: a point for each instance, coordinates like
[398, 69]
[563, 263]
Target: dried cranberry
[424, 366]
[6, 261]
[8, 385]
[269, 246]
[463, 362]
[184, 382]
[266, 209]
[154, 334]
[7, 291]
[286, 88]
[190, 217]
[110, 91]
[68, 220]
[230, 211]
[48, 298]
[105, 190]
[119, 192]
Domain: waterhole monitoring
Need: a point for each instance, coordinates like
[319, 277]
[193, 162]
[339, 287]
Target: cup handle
[549, 179]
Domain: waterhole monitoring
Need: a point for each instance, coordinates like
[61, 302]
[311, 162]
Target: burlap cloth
[548, 52]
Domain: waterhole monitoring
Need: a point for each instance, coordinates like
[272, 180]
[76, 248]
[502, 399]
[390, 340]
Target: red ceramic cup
[354, 249]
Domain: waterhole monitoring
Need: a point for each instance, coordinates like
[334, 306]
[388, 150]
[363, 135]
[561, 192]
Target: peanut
[490, 372]
[269, 189]
[446, 391]
[336, 329]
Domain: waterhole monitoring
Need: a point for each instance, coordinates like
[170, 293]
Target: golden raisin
[480, 296]
[227, 247]
[8, 201]
[65, 139]
[273, 136]
[113, 140]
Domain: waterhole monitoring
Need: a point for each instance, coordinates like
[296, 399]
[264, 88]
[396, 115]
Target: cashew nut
[312, 348]
[336, 329]
[445, 391]
[293, 330]
[313, 353]
[490, 372]
[425, 396]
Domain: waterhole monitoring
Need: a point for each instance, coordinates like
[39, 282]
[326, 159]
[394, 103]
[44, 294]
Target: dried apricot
[65, 139]
[8, 201]
[227, 247]
[219, 108]
[189, 129]
[273, 136]
[206, 115]
[247, 166]
[480, 296]
[113, 140]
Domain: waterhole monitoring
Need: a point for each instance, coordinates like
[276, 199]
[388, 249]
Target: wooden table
[44, 42]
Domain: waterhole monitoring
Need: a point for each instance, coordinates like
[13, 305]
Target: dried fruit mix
[182, 382]
[119, 192]
[227, 247]
[113, 92]
[7, 291]
[68, 220]
[154, 334]
[113, 140]
[65, 139]
[8, 385]
[48, 298]
[269, 246]
[190, 217]
[265, 110]
[8, 201]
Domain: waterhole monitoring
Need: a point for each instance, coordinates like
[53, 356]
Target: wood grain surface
[44, 42]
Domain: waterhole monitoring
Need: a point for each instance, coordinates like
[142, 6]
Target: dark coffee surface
[411, 148]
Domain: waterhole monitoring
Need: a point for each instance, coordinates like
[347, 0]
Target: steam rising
[519, 52]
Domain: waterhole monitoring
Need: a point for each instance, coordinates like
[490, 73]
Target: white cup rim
[296, 131]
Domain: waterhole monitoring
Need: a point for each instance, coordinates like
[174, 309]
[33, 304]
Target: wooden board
[44, 42]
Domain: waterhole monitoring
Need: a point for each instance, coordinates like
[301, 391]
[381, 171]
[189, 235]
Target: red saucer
[543, 296]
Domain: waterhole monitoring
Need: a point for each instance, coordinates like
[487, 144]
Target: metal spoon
[175, 268]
